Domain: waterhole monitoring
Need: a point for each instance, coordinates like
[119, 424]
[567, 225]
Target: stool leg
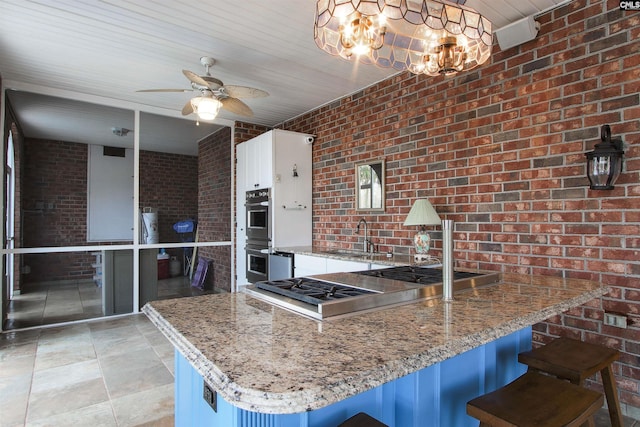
[611, 393]
[589, 423]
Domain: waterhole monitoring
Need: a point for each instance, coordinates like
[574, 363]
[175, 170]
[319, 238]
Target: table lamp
[422, 213]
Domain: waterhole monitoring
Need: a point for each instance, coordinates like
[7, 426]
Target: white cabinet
[280, 161]
[241, 218]
[258, 158]
[345, 266]
[308, 265]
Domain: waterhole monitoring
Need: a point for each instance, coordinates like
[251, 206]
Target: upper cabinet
[259, 162]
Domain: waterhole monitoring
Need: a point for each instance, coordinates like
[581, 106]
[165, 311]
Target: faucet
[366, 242]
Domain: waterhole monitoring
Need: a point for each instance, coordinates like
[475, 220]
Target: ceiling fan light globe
[205, 107]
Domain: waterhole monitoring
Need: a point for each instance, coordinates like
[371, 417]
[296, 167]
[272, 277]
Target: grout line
[33, 373]
[104, 382]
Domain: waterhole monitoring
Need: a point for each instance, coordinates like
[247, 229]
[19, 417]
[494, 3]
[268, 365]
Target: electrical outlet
[210, 397]
[615, 320]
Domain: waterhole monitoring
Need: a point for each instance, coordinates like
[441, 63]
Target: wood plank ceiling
[103, 51]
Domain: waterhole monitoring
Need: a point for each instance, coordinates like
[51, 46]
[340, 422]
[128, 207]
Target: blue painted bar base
[435, 396]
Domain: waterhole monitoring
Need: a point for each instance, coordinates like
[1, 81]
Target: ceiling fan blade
[236, 106]
[245, 92]
[194, 78]
[187, 109]
[212, 82]
[165, 90]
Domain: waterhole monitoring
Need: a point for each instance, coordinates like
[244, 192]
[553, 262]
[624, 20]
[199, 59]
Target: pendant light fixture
[424, 36]
[604, 163]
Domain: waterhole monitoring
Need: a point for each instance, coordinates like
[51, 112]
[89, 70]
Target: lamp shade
[422, 213]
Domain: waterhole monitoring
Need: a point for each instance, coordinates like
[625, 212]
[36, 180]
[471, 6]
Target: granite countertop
[354, 255]
[257, 356]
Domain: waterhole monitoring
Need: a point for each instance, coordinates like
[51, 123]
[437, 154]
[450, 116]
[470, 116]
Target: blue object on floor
[200, 276]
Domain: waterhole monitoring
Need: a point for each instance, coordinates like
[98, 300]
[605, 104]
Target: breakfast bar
[415, 364]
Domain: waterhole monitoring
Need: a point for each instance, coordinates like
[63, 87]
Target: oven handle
[261, 251]
[257, 204]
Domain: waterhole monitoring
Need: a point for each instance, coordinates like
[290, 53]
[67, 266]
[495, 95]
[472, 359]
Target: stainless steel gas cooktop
[329, 295]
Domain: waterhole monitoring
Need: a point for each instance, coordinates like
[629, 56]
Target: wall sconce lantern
[604, 163]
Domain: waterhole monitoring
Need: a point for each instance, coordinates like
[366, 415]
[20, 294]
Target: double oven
[258, 246]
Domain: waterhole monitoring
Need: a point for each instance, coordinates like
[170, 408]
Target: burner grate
[421, 275]
[311, 291]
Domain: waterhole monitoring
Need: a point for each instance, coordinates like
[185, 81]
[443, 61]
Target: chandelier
[422, 36]
[360, 34]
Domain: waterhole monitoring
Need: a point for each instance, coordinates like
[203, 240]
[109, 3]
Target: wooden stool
[537, 400]
[576, 361]
[362, 420]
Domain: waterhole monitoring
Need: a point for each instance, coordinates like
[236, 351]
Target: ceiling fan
[214, 94]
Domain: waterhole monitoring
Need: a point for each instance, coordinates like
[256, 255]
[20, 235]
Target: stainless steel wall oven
[258, 206]
[258, 245]
[257, 262]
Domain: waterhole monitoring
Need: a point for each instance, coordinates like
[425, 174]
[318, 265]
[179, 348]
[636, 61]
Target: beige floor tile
[61, 353]
[155, 338]
[64, 346]
[170, 367]
[128, 373]
[52, 379]
[157, 408]
[17, 359]
[100, 415]
[167, 421]
[14, 397]
[165, 352]
[145, 326]
[120, 341]
[79, 331]
[59, 400]
[115, 323]
[12, 338]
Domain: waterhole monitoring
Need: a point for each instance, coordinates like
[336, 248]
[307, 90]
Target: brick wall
[214, 204]
[169, 183]
[500, 150]
[54, 202]
[54, 197]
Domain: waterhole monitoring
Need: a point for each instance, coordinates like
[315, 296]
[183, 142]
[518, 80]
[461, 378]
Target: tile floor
[54, 302]
[108, 372]
[114, 372]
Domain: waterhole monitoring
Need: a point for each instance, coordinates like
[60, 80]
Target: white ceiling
[101, 51]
